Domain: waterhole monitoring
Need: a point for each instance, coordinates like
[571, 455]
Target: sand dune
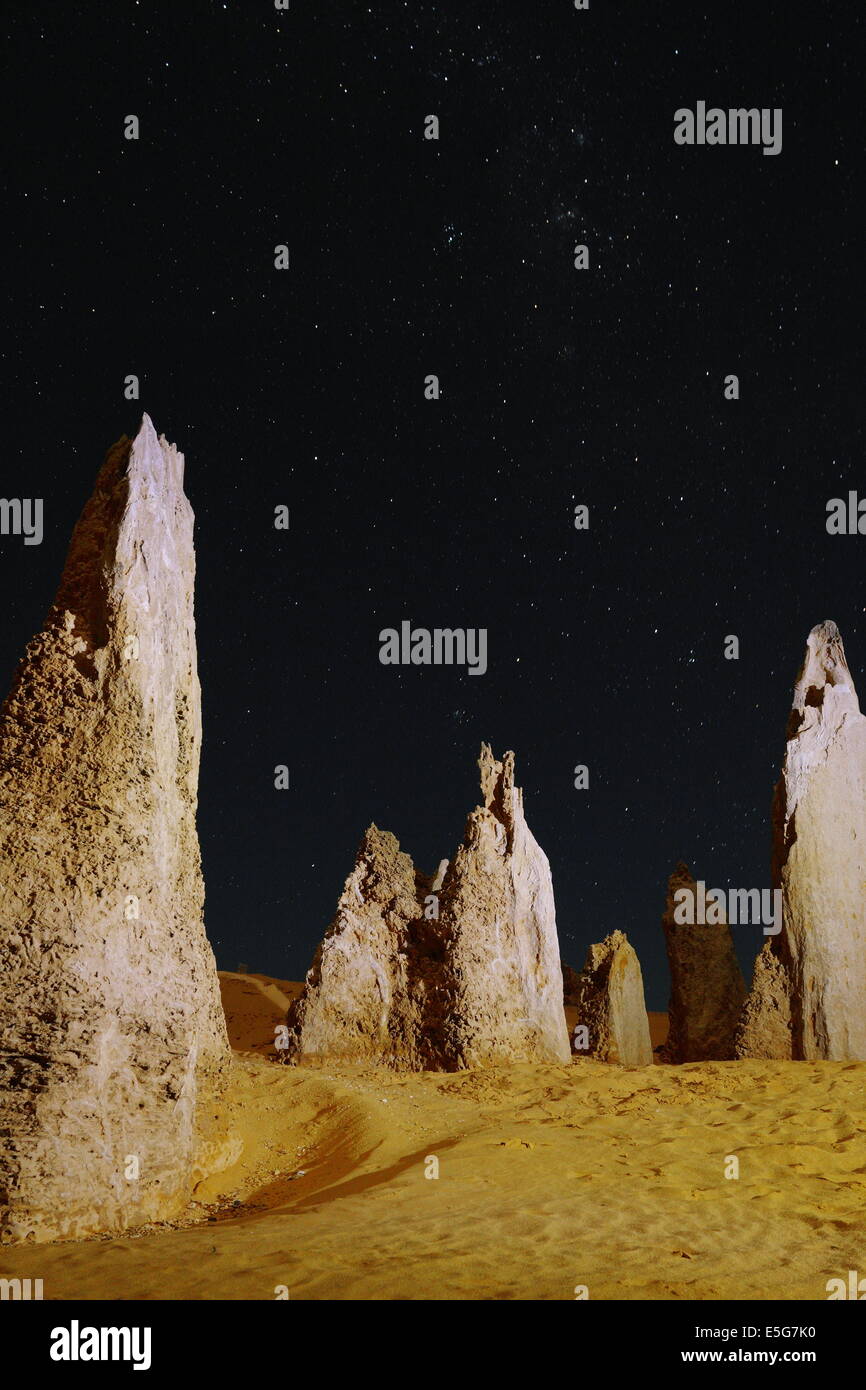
[254, 1005]
[549, 1178]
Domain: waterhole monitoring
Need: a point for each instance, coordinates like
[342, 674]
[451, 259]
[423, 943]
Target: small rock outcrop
[764, 1029]
[456, 971]
[611, 1007]
[808, 999]
[707, 985]
[112, 1037]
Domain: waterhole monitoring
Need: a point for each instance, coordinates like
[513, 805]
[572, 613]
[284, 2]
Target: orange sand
[549, 1178]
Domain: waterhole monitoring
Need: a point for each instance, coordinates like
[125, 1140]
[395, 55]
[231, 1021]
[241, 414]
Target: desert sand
[550, 1177]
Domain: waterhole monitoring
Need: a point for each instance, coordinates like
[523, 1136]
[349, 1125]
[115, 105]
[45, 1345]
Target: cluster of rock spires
[458, 971]
[112, 1039]
[808, 994]
[476, 981]
[112, 1036]
[463, 970]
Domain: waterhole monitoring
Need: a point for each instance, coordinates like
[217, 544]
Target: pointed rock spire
[808, 997]
[111, 1030]
[498, 916]
[357, 1000]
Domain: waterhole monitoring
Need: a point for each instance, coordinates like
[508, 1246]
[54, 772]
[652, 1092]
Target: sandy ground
[550, 1178]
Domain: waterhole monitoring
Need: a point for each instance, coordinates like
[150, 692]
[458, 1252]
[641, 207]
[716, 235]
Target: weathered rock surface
[707, 985]
[498, 918]
[455, 971]
[611, 1005]
[764, 1029]
[373, 992]
[808, 1000]
[111, 1032]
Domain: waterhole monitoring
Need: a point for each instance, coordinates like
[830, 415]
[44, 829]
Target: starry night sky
[305, 388]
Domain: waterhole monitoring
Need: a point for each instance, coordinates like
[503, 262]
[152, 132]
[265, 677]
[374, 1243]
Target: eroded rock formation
[111, 1031]
[764, 1029]
[808, 999]
[374, 990]
[458, 971]
[611, 1006]
[707, 986]
[498, 918]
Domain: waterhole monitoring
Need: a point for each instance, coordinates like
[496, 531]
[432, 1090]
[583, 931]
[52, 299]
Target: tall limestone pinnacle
[498, 916]
[456, 971]
[808, 998]
[111, 1031]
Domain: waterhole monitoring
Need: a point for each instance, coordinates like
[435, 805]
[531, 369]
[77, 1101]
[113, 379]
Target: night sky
[305, 388]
